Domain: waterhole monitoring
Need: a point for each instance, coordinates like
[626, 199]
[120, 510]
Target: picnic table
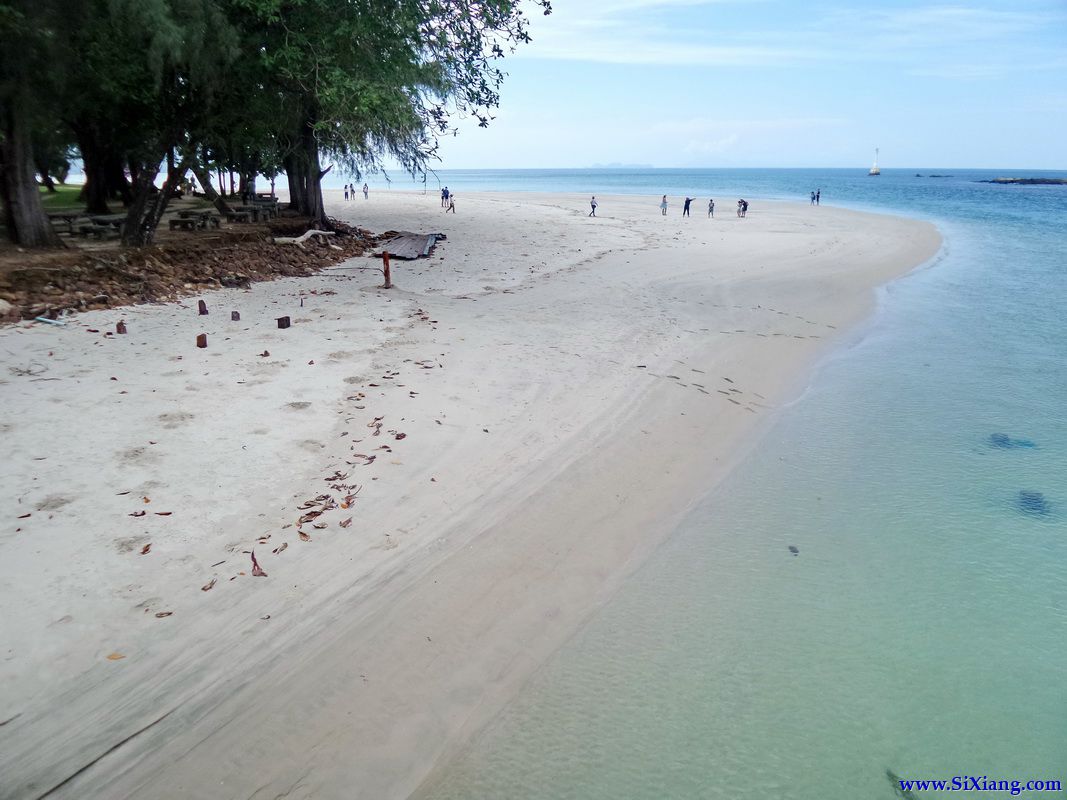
[114, 220]
[257, 211]
[69, 217]
[201, 217]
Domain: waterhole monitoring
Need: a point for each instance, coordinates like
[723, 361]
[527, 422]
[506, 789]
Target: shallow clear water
[923, 625]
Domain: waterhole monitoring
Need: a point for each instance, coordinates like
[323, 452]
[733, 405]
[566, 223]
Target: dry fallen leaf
[138, 513]
[208, 586]
[147, 500]
[319, 525]
[24, 516]
[280, 547]
[161, 614]
[115, 657]
[146, 548]
[257, 571]
[164, 513]
[304, 537]
[345, 522]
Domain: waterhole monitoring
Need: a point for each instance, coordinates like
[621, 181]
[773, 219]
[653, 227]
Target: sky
[766, 83]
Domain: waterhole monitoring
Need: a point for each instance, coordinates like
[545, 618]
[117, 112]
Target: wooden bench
[185, 223]
[239, 216]
[99, 231]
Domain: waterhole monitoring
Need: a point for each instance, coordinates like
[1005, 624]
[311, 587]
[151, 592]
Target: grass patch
[64, 198]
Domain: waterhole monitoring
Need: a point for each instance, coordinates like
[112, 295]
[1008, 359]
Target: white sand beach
[498, 442]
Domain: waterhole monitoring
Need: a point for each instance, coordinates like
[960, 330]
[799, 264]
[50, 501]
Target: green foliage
[250, 85]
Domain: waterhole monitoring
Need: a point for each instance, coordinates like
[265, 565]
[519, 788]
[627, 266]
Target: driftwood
[298, 240]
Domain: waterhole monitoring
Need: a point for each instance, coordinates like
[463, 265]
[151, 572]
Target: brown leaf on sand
[257, 571]
[400, 436]
[161, 614]
[207, 587]
[280, 547]
[146, 548]
[164, 513]
[319, 525]
[115, 656]
[345, 522]
[25, 516]
[119, 494]
[265, 354]
[146, 499]
[308, 517]
[304, 537]
[138, 514]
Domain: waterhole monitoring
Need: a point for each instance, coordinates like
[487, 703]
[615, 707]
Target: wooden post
[385, 269]
[203, 307]
[235, 316]
[120, 327]
[201, 340]
[283, 322]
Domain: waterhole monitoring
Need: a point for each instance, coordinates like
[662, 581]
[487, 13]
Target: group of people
[448, 201]
[686, 205]
[350, 191]
[815, 197]
[742, 205]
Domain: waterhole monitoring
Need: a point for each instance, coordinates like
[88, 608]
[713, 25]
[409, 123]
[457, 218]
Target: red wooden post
[201, 340]
[385, 269]
[283, 322]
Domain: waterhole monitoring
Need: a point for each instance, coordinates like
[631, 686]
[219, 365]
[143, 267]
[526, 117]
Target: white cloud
[927, 40]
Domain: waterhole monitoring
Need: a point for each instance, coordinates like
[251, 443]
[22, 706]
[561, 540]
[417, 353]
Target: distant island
[1030, 181]
[617, 165]
[917, 175]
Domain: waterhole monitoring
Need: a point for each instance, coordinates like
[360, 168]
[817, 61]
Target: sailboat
[874, 169]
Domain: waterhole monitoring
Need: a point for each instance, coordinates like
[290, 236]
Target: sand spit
[439, 482]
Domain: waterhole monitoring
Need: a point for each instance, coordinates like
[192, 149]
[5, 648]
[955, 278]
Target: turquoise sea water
[922, 628]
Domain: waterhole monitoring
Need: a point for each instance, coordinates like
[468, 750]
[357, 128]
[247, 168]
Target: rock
[9, 312]
[1033, 503]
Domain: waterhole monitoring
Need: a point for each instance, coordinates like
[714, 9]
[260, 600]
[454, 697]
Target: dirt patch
[181, 264]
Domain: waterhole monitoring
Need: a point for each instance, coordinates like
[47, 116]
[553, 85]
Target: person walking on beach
[592, 206]
[739, 202]
[813, 198]
[818, 194]
[444, 197]
[451, 204]
[663, 206]
[346, 191]
[366, 192]
[744, 208]
[685, 208]
[711, 208]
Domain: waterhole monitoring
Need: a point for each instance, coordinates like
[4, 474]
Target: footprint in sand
[130, 543]
[175, 419]
[138, 456]
[53, 502]
[298, 406]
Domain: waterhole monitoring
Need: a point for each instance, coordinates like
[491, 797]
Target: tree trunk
[148, 204]
[95, 192]
[295, 174]
[24, 218]
[313, 183]
[46, 179]
[204, 176]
